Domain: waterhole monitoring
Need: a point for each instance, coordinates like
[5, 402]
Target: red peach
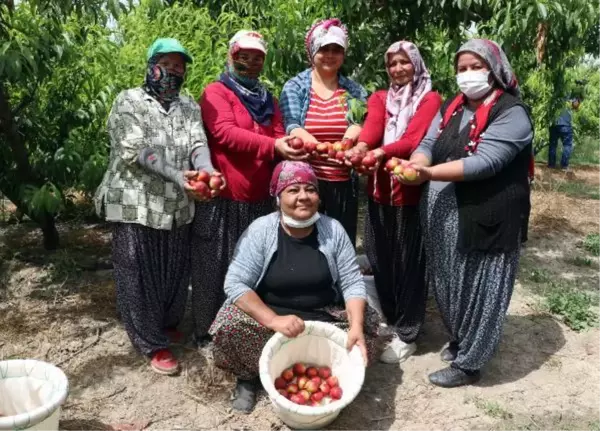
[336, 393]
[311, 386]
[410, 174]
[310, 147]
[302, 381]
[312, 372]
[283, 392]
[356, 159]
[317, 397]
[296, 143]
[324, 372]
[216, 183]
[298, 399]
[325, 388]
[391, 164]
[316, 380]
[203, 176]
[322, 147]
[337, 146]
[304, 394]
[287, 375]
[280, 383]
[292, 388]
[398, 170]
[332, 381]
[369, 161]
[299, 369]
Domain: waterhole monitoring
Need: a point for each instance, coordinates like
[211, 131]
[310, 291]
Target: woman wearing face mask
[245, 135]
[475, 157]
[397, 121]
[289, 266]
[315, 106]
[156, 138]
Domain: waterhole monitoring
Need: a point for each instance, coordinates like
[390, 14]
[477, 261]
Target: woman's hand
[423, 174]
[215, 193]
[291, 326]
[356, 337]
[379, 155]
[283, 148]
[361, 149]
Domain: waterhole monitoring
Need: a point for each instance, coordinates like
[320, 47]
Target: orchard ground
[60, 307]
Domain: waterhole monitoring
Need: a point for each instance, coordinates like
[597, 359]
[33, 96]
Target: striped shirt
[326, 121]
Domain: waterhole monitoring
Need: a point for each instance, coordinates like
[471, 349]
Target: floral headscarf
[287, 173]
[323, 33]
[160, 83]
[402, 102]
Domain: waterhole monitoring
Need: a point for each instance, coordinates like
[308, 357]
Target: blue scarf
[257, 100]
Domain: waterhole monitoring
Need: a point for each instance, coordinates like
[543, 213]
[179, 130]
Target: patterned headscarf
[496, 59]
[402, 102]
[160, 83]
[253, 95]
[323, 33]
[287, 173]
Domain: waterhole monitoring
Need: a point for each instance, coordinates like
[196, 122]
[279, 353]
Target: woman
[397, 121]
[475, 157]
[245, 135]
[315, 106]
[156, 136]
[289, 266]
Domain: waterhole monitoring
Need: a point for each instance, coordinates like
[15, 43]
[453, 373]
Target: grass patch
[581, 261]
[539, 275]
[578, 189]
[492, 409]
[573, 306]
[591, 243]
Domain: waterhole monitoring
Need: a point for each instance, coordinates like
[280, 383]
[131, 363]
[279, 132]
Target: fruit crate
[320, 343]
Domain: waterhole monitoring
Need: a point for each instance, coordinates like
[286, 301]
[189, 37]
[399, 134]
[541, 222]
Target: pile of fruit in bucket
[204, 183]
[313, 386]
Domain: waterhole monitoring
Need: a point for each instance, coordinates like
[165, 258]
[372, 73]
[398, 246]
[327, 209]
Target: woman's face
[299, 201]
[400, 68]
[173, 63]
[248, 63]
[470, 62]
[329, 58]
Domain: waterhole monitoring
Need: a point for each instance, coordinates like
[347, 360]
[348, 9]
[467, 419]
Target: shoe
[245, 395]
[449, 353]
[453, 377]
[175, 336]
[397, 351]
[163, 362]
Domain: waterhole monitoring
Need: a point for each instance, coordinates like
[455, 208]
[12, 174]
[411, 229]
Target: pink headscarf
[402, 102]
[287, 173]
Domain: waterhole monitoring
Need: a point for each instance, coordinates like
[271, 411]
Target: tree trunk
[23, 174]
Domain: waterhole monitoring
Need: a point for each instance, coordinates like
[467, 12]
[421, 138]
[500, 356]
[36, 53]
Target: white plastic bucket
[320, 344]
[31, 393]
[369, 280]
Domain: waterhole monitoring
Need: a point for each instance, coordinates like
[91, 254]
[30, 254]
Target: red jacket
[380, 184]
[242, 150]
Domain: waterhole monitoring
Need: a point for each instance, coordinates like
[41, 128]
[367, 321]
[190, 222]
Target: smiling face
[400, 68]
[248, 63]
[173, 63]
[329, 58]
[299, 201]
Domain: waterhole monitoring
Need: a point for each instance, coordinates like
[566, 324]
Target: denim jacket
[295, 98]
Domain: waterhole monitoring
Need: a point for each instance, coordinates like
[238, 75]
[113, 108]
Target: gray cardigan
[258, 244]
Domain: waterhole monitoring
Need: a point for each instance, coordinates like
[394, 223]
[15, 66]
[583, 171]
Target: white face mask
[474, 83]
[299, 224]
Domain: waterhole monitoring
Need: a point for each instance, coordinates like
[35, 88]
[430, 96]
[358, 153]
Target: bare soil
[60, 307]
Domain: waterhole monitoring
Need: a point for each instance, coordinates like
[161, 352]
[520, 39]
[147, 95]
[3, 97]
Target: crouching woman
[289, 266]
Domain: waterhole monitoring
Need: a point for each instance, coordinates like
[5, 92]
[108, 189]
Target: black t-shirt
[298, 280]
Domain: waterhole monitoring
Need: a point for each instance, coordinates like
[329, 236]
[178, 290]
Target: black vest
[492, 211]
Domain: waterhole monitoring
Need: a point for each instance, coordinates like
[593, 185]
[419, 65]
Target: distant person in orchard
[563, 129]
[474, 161]
[289, 266]
[245, 136]
[317, 106]
[157, 146]
[397, 120]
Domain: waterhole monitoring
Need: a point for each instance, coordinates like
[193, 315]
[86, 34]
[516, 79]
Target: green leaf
[542, 10]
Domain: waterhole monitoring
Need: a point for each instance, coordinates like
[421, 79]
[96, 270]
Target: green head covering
[167, 45]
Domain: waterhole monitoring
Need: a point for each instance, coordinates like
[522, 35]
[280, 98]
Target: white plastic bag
[372, 297]
[321, 344]
[31, 393]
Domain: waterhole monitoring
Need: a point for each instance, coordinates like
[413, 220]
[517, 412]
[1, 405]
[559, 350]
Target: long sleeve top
[382, 187]
[135, 191]
[241, 149]
[258, 244]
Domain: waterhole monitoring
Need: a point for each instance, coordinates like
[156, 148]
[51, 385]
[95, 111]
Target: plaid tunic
[130, 194]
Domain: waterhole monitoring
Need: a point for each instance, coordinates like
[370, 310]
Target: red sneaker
[175, 336]
[163, 362]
